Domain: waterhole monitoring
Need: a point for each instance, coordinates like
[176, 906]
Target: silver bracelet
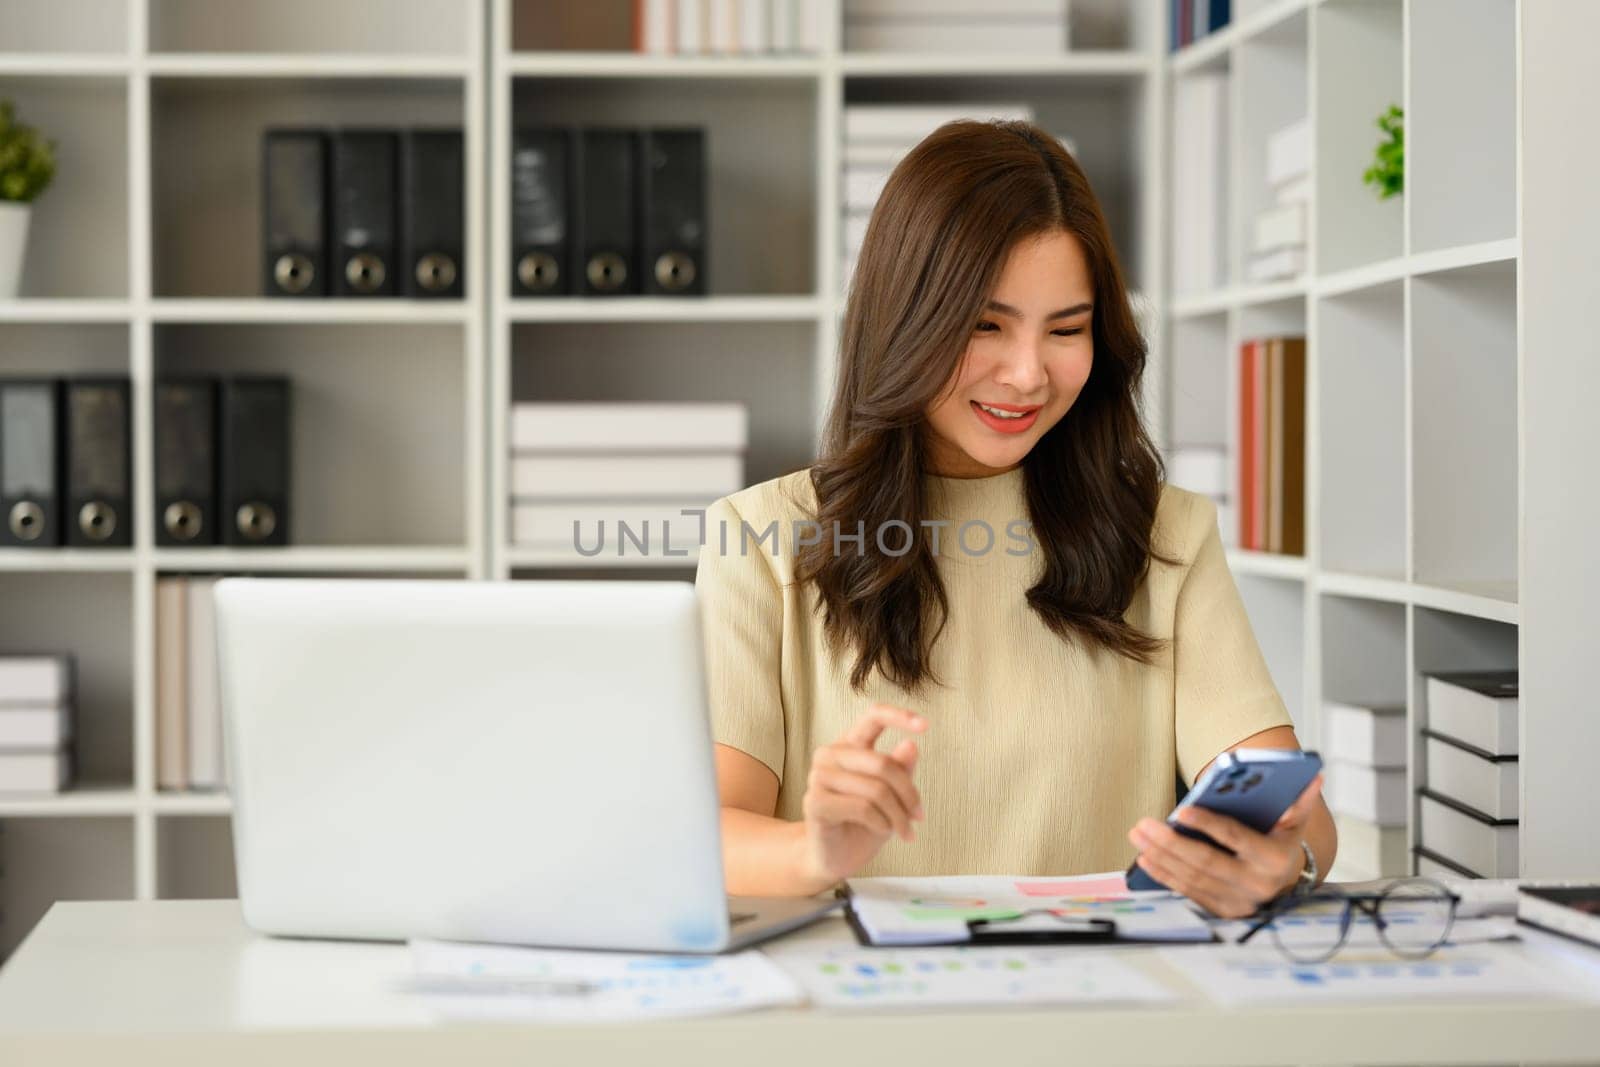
[1308, 874]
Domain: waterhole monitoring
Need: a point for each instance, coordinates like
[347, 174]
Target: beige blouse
[1038, 755]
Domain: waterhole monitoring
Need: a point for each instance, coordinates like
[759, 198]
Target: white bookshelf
[1410, 313]
[150, 260]
[144, 261]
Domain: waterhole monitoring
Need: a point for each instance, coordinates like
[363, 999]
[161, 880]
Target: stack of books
[1190, 20]
[876, 138]
[1272, 445]
[1009, 27]
[619, 482]
[1364, 749]
[728, 27]
[1200, 189]
[1203, 469]
[188, 694]
[1279, 247]
[1468, 806]
[36, 723]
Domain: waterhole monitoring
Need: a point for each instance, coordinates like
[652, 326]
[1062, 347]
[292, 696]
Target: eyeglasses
[1412, 918]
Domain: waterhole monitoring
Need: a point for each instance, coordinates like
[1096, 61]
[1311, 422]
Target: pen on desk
[492, 985]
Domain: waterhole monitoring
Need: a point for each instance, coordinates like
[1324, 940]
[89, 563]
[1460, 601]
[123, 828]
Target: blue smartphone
[1253, 785]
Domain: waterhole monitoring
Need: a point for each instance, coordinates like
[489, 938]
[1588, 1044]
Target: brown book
[1272, 436]
[172, 684]
[1287, 435]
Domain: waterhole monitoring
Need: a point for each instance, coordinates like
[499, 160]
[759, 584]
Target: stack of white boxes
[611, 483]
[1364, 751]
[1007, 27]
[1468, 806]
[876, 138]
[1278, 247]
[35, 723]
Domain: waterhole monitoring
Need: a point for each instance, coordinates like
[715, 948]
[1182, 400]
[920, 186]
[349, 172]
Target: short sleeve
[741, 620]
[1223, 691]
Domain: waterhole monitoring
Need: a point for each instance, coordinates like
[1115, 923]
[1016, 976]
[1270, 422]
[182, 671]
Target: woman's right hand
[857, 797]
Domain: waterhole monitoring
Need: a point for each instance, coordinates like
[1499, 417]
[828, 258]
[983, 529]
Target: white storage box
[1371, 736]
[1477, 779]
[1487, 848]
[1366, 846]
[1378, 796]
[1478, 707]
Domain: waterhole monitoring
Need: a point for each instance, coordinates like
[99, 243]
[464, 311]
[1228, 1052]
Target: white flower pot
[13, 238]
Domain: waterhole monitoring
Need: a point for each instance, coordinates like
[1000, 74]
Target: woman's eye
[986, 327]
[1069, 332]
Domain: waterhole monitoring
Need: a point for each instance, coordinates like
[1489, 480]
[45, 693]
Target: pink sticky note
[1094, 885]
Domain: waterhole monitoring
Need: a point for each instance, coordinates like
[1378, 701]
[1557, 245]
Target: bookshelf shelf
[1267, 565]
[662, 309]
[522, 557]
[1200, 305]
[1092, 64]
[610, 65]
[330, 310]
[1391, 588]
[58, 310]
[310, 559]
[82, 800]
[1368, 276]
[89, 66]
[1494, 602]
[67, 560]
[337, 66]
[1270, 292]
[1506, 250]
[191, 804]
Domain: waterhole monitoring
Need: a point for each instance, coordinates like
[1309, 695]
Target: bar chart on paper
[852, 977]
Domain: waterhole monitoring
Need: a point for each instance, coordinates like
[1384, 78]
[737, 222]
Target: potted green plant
[1387, 175]
[27, 164]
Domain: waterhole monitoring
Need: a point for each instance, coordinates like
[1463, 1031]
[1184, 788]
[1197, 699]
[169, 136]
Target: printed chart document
[1239, 975]
[621, 986]
[846, 976]
[931, 911]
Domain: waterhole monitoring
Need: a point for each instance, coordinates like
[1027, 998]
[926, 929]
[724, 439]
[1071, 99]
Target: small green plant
[1387, 175]
[27, 160]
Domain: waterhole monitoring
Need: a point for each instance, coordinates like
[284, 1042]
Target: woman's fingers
[874, 764]
[830, 806]
[1206, 862]
[1216, 897]
[869, 787]
[864, 733]
[1251, 847]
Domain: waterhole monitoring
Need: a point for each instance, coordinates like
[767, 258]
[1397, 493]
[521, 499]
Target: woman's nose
[1022, 367]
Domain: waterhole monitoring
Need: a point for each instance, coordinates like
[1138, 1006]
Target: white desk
[183, 982]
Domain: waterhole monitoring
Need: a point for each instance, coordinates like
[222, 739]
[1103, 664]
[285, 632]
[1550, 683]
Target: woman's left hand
[1262, 867]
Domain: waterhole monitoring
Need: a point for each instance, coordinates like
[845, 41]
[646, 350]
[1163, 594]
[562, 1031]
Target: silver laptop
[519, 762]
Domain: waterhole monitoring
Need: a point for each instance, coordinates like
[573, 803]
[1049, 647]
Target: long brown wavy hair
[934, 248]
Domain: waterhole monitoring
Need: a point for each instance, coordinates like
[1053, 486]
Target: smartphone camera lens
[1252, 781]
[1238, 772]
[1225, 787]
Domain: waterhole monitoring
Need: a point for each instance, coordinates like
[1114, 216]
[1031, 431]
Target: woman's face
[1024, 365]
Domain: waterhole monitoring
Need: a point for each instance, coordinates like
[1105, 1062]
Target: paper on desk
[924, 911]
[630, 986]
[1237, 975]
[841, 976]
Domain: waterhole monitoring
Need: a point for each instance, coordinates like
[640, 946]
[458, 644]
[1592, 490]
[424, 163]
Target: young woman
[986, 562]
